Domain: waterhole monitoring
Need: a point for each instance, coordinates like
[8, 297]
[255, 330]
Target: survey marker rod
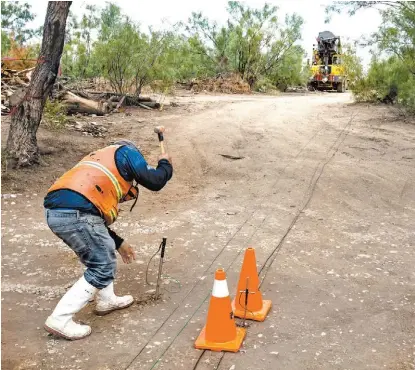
[163, 248]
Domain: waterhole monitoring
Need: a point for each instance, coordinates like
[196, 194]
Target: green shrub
[54, 115]
[383, 77]
[264, 85]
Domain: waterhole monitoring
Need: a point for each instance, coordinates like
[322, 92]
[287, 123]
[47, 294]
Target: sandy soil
[325, 192]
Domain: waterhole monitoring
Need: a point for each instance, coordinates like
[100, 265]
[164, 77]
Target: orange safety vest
[97, 178]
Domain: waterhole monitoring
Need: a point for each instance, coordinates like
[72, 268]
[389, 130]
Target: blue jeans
[87, 235]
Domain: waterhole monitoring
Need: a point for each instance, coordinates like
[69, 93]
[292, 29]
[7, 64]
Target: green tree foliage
[289, 70]
[5, 43]
[253, 43]
[130, 58]
[110, 22]
[352, 64]
[209, 41]
[188, 59]
[69, 63]
[14, 18]
[116, 56]
[396, 35]
[77, 55]
[395, 71]
[87, 25]
[385, 78]
[120, 52]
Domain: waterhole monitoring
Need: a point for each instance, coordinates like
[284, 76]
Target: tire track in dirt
[306, 199]
[128, 332]
[252, 230]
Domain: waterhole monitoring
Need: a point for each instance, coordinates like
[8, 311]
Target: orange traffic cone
[220, 332]
[257, 309]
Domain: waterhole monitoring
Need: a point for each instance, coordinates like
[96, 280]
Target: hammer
[159, 131]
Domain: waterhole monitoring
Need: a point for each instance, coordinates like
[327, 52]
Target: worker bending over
[79, 207]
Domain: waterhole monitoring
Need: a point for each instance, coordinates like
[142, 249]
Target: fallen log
[144, 99]
[113, 99]
[144, 106]
[82, 94]
[76, 104]
[150, 104]
[120, 102]
[128, 98]
[29, 75]
[25, 70]
[4, 110]
[20, 81]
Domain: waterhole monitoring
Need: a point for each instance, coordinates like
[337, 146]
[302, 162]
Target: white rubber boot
[60, 323]
[108, 301]
[82, 271]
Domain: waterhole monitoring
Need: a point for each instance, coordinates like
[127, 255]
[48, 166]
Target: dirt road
[325, 192]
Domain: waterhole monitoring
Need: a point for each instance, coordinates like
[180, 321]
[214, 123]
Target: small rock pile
[89, 128]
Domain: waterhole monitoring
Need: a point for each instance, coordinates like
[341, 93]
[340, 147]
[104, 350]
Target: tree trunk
[251, 81]
[22, 147]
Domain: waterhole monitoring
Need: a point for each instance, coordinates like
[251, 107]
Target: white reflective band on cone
[220, 289]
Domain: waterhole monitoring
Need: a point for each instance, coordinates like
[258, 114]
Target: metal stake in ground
[247, 292]
[163, 247]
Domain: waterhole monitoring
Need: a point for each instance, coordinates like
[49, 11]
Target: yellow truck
[328, 72]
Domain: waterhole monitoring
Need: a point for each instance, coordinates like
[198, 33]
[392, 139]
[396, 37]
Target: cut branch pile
[76, 99]
[100, 103]
[230, 83]
[13, 85]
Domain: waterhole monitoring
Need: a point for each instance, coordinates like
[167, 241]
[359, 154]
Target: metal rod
[247, 292]
[246, 300]
[163, 247]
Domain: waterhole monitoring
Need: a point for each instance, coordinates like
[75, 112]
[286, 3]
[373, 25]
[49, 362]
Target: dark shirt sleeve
[155, 178]
[151, 178]
[117, 239]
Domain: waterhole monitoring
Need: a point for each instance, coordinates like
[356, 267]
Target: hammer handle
[162, 147]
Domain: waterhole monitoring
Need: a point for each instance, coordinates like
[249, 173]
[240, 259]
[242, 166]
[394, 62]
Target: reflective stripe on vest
[107, 172]
[113, 215]
[98, 179]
